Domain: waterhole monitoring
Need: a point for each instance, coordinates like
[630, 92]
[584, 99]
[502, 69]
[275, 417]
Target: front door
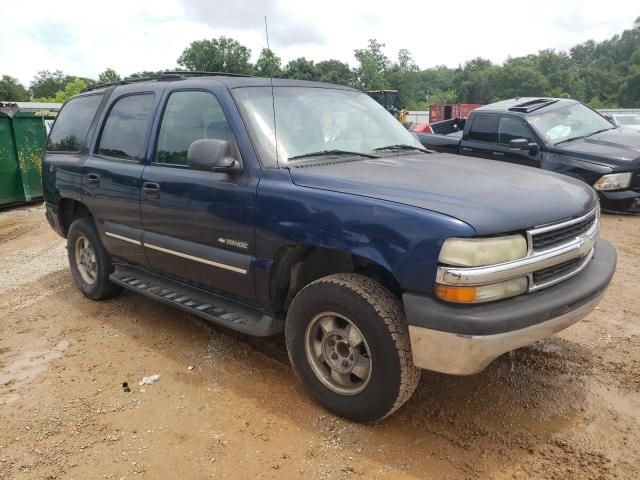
[198, 225]
[512, 128]
[481, 138]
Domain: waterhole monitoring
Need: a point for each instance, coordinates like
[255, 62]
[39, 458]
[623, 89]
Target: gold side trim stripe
[196, 259]
[124, 239]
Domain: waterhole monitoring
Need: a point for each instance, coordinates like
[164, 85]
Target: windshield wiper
[603, 130]
[571, 139]
[323, 153]
[401, 146]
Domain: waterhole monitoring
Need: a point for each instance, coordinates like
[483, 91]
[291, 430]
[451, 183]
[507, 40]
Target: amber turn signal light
[456, 294]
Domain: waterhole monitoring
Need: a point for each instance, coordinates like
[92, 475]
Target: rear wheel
[89, 261]
[348, 343]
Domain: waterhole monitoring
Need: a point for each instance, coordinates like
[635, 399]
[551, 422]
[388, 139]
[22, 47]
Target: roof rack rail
[532, 105]
[198, 73]
[166, 75]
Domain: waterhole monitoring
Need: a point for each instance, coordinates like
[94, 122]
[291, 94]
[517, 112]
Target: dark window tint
[126, 126]
[484, 129]
[189, 116]
[510, 128]
[72, 124]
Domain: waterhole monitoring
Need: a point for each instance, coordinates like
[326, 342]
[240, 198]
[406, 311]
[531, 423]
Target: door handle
[93, 179]
[150, 189]
[467, 149]
[498, 154]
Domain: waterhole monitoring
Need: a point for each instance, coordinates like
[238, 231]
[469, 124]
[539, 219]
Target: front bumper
[622, 201]
[464, 339]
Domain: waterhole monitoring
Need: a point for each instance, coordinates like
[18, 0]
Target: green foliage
[301, 69]
[405, 63]
[217, 55]
[436, 97]
[513, 80]
[109, 76]
[474, 81]
[268, 64]
[604, 74]
[630, 89]
[373, 66]
[334, 71]
[46, 84]
[73, 87]
[144, 74]
[12, 90]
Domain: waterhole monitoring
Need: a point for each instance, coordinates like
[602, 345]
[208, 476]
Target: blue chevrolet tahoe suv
[305, 208]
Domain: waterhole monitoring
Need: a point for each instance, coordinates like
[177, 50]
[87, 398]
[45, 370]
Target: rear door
[198, 225]
[113, 172]
[66, 149]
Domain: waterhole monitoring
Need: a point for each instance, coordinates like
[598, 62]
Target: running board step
[202, 304]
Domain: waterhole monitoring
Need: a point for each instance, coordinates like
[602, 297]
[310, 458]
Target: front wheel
[89, 261]
[349, 345]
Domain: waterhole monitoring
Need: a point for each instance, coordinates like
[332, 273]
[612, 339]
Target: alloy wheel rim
[338, 353]
[86, 260]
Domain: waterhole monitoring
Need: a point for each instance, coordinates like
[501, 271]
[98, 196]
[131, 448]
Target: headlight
[477, 252]
[483, 293]
[613, 181]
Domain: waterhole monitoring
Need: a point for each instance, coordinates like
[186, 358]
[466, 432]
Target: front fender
[404, 240]
[576, 167]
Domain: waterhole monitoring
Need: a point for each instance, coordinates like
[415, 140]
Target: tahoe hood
[490, 196]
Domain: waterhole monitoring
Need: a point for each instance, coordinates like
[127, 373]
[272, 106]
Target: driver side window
[189, 116]
[510, 128]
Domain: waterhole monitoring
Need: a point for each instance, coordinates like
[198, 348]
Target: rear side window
[126, 126]
[484, 129]
[510, 128]
[189, 116]
[70, 129]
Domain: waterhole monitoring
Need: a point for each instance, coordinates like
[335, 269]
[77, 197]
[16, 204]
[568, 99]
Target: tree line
[602, 74]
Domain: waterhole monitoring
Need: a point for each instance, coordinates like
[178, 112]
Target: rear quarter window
[70, 128]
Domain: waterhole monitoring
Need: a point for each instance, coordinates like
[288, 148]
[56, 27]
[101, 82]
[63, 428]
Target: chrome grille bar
[577, 247]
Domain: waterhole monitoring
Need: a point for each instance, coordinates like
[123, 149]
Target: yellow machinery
[390, 100]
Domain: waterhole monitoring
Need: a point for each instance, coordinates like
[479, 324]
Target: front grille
[557, 271]
[562, 235]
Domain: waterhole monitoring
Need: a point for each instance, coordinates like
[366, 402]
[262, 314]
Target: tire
[329, 356]
[89, 261]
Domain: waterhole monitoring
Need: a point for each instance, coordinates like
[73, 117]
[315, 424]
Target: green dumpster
[23, 131]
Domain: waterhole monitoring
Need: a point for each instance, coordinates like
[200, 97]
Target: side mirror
[518, 144]
[523, 144]
[212, 155]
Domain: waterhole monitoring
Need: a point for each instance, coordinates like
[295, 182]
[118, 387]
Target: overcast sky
[132, 35]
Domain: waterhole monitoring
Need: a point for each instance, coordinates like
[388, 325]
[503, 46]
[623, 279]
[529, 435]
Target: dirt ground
[565, 408]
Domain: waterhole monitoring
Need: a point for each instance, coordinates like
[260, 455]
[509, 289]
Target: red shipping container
[437, 113]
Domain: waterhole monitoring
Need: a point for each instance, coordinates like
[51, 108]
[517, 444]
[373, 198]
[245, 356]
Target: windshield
[568, 123]
[312, 123]
[627, 119]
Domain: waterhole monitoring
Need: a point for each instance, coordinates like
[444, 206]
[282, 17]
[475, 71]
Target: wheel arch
[69, 210]
[295, 266]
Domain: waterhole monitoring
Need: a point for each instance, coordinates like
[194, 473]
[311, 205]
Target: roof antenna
[266, 31]
[273, 98]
